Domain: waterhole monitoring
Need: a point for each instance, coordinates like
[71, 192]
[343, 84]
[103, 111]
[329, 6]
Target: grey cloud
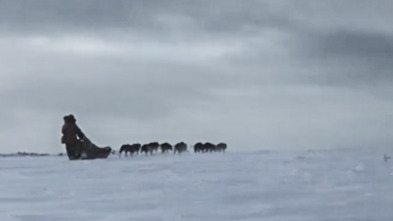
[164, 17]
[137, 92]
[258, 74]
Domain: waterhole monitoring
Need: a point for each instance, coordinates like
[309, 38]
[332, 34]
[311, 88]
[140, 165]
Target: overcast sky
[279, 74]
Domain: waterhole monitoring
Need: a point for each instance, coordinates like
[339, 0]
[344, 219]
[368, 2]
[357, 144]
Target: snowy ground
[281, 186]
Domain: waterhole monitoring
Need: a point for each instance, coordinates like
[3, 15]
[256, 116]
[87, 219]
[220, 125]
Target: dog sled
[91, 151]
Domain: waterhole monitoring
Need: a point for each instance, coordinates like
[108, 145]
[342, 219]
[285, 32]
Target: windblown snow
[278, 186]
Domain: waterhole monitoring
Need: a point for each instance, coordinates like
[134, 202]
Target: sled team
[155, 147]
[78, 146]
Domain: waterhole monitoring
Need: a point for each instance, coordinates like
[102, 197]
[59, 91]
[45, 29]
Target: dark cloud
[353, 57]
[362, 45]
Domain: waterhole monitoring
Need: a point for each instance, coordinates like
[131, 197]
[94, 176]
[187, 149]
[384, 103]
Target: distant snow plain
[324, 185]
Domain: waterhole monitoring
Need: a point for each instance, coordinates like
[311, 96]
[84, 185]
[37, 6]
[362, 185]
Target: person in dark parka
[72, 136]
